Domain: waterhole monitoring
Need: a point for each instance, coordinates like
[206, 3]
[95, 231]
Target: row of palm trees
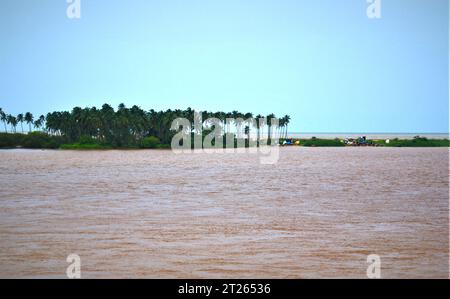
[13, 121]
[127, 126]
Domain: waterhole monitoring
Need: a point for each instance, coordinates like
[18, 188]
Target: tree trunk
[257, 137]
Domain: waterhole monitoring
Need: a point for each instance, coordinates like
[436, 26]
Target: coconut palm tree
[258, 117]
[42, 120]
[269, 124]
[12, 121]
[281, 126]
[286, 120]
[37, 123]
[20, 119]
[237, 119]
[29, 119]
[3, 118]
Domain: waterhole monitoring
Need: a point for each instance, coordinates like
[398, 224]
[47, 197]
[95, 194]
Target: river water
[317, 213]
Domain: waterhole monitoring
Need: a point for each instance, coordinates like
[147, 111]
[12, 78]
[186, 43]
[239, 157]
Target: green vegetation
[415, 142]
[133, 128]
[92, 128]
[321, 142]
[85, 142]
[31, 140]
[150, 142]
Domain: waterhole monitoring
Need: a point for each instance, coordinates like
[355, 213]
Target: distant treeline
[122, 128]
[415, 142]
[92, 128]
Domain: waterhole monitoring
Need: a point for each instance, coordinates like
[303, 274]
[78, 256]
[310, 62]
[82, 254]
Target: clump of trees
[322, 142]
[417, 141]
[12, 121]
[132, 127]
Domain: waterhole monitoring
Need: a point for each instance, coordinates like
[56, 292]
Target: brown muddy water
[317, 213]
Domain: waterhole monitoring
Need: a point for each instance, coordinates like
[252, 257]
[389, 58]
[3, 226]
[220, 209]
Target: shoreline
[41, 140]
[404, 143]
[375, 135]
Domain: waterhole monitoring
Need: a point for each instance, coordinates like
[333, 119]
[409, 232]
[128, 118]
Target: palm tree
[247, 133]
[41, 120]
[52, 124]
[258, 117]
[237, 119]
[269, 124]
[12, 121]
[247, 116]
[37, 123]
[29, 119]
[3, 118]
[269, 127]
[286, 120]
[281, 126]
[222, 116]
[20, 119]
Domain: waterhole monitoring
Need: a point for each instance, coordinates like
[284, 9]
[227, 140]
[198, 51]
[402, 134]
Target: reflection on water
[318, 213]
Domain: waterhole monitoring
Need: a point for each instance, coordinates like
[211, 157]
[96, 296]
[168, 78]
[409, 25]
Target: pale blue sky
[321, 61]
